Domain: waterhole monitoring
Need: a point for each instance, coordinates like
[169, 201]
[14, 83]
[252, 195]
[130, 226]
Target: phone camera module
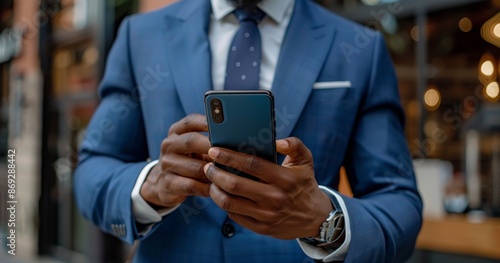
[217, 111]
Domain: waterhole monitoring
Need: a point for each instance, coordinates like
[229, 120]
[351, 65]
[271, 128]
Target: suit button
[113, 228]
[228, 230]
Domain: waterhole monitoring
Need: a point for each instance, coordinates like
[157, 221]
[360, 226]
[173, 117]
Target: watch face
[329, 231]
[334, 227]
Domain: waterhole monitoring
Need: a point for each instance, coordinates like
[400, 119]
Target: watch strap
[331, 236]
[335, 244]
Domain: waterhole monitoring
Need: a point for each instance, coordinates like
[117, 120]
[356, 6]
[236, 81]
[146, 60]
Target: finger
[202, 157]
[246, 163]
[183, 186]
[263, 228]
[187, 143]
[184, 166]
[190, 123]
[237, 205]
[296, 152]
[237, 185]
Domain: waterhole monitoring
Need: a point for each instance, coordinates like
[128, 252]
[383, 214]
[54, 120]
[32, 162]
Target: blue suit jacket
[159, 70]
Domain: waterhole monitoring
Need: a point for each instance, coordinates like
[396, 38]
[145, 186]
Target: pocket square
[332, 85]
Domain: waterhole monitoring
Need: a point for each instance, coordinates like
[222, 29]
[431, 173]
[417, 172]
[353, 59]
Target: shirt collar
[275, 9]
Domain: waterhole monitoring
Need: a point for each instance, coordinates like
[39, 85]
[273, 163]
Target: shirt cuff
[339, 254]
[141, 210]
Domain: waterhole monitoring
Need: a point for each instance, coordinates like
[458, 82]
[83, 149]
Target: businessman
[145, 170]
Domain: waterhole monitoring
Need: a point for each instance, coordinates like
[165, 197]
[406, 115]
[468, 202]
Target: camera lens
[217, 111]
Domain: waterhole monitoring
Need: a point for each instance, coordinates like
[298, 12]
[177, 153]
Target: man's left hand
[286, 203]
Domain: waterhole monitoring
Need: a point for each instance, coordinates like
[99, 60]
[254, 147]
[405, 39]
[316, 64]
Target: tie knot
[255, 15]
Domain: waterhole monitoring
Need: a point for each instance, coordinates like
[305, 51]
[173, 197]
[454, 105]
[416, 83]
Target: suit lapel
[188, 50]
[305, 47]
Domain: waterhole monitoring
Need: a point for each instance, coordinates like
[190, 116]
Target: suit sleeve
[114, 150]
[386, 211]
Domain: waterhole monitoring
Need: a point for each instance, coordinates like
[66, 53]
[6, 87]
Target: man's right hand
[179, 172]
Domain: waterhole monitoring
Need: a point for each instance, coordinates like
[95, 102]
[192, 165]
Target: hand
[179, 172]
[286, 203]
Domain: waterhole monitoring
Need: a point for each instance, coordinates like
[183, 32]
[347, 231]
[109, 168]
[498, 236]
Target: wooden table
[455, 234]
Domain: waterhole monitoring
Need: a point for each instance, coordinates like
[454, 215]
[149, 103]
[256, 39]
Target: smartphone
[242, 121]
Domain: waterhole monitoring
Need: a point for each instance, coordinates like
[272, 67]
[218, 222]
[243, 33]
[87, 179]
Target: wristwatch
[332, 231]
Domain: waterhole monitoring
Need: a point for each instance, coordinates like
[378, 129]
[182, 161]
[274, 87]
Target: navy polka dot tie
[243, 63]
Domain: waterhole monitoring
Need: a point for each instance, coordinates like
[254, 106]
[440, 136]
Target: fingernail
[212, 190]
[282, 143]
[213, 152]
[205, 168]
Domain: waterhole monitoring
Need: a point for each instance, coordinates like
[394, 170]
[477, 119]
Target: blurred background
[447, 58]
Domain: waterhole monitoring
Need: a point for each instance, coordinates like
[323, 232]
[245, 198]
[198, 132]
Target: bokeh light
[432, 99]
[465, 24]
[492, 91]
[487, 68]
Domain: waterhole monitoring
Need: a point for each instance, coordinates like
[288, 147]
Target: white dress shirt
[223, 27]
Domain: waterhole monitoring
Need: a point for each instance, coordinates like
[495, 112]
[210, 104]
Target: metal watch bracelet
[332, 231]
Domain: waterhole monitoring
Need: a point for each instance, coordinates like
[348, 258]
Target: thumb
[296, 152]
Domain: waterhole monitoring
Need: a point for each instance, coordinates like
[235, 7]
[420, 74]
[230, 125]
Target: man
[336, 103]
